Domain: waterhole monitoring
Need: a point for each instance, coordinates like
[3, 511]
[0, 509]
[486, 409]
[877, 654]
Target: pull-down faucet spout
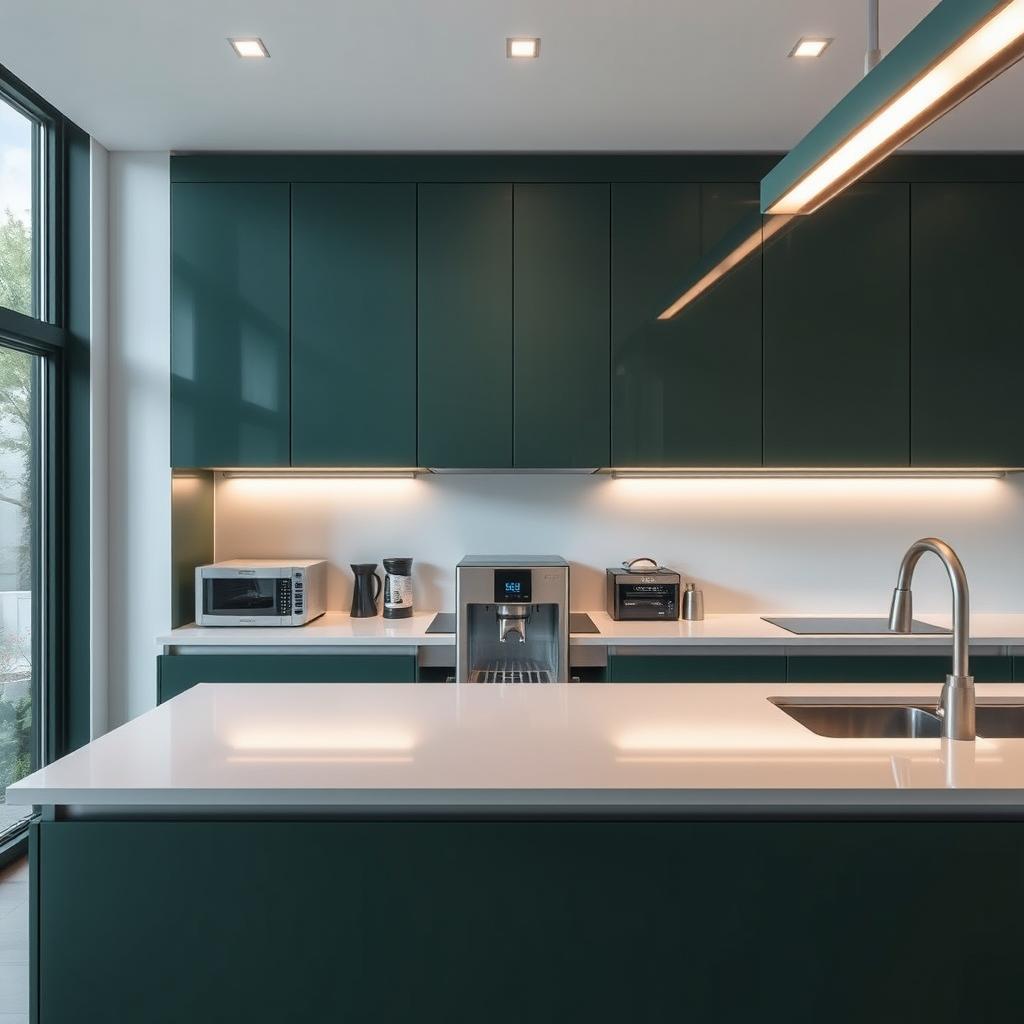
[957, 702]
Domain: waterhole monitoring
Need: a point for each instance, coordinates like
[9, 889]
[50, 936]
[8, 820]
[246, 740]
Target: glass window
[19, 210]
[20, 520]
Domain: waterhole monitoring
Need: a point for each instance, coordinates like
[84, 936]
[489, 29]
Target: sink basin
[1000, 721]
[867, 719]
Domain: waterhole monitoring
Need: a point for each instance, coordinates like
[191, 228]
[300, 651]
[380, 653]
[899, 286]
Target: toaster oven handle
[629, 565]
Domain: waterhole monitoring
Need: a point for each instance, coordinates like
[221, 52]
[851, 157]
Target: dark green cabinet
[561, 406]
[177, 672]
[464, 267]
[685, 391]
[245, 920]
[915, 668]
[967, 342]
[471, 323]
[353, 356]
[804, 668]
[836, 334]
[229, 324]
[697, 668]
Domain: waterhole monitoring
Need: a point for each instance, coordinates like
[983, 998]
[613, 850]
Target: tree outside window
[17, 187]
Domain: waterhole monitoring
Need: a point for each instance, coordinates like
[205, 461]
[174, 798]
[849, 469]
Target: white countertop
[352, 747]
[341, 630]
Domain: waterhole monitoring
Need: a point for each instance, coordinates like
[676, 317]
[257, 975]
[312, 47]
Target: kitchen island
[524, 853]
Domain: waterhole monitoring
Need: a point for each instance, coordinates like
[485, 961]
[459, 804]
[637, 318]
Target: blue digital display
[512, 585]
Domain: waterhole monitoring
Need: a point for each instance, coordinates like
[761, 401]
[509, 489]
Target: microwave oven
[261, 592]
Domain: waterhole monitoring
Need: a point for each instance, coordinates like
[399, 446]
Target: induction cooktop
[854, 625]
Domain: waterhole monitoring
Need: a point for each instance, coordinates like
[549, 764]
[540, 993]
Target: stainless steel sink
[874, 718]
[1000, 721]
[894, 718]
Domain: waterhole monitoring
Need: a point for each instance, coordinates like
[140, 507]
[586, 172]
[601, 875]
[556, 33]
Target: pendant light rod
[874, 54]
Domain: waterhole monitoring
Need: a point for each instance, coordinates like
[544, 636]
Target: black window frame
[60, 335]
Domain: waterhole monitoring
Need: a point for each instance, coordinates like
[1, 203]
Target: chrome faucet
[956, 705]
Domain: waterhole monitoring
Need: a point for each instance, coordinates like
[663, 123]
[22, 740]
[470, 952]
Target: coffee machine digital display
[512, 585]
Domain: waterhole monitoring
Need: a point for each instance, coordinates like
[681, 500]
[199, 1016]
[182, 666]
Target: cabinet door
[966, 329]
[561, 306]
[836, 334]
[229, 324]
[464, 271]
[353, 325]
[881, 668]
[697, 668]
[686, 391]
[177, 672]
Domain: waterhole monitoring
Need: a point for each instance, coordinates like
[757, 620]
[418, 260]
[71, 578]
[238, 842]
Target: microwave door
[242, 596]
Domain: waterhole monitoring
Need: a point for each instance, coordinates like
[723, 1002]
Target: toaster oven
[261, 592]
[642, 594]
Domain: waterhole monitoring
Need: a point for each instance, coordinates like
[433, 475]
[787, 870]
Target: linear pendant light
[959, 47]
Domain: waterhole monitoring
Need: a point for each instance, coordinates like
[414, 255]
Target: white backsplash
[784, 545]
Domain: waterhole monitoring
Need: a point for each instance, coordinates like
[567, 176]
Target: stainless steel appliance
[642, 590]
[261, 592]
[512, 622]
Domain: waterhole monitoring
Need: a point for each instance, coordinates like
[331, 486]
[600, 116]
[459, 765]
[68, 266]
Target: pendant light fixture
[959, 47]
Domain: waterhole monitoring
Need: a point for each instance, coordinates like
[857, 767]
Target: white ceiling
[432, 74]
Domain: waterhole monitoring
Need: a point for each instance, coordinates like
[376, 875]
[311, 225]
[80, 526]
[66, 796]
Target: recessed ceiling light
[810, 46]
[522, 46]
[249, 47]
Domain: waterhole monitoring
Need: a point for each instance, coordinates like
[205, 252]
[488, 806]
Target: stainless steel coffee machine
[513, 619]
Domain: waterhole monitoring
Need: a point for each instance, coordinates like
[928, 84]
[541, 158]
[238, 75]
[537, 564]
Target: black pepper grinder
[397, 588]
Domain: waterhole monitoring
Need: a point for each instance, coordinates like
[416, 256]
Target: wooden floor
[14, 944]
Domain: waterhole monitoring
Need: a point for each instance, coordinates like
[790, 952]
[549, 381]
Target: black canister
[397, 588]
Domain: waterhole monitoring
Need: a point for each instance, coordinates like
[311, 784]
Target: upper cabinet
[685, 391]
[513, 326]
[837, 334]
[465, 326]
[229, 324]
[440, 317]
[966, 335]
[353, 350]
[561, 310]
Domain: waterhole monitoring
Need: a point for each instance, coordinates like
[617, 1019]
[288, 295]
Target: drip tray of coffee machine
[512, 671]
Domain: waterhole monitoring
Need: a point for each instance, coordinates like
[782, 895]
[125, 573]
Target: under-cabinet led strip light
[316, 474]
[904, 473]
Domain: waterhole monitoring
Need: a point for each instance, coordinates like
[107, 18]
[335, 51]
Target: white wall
[753, 545]
[138, 402]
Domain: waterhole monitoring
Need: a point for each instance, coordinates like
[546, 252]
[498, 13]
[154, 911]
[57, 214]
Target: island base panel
[513, 921]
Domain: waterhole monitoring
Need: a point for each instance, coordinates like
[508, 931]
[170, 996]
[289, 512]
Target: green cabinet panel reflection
[965, 322]
[685, 391]
[229, 324]
[353, 373]
[836, 333]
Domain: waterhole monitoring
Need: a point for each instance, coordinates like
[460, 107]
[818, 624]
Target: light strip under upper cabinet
[959, 47]
[317, 474]
[796, 472]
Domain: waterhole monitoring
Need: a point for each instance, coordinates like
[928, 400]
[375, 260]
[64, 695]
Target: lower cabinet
[865, 668]
[177, 672]
[892, 669]
[697, 668]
